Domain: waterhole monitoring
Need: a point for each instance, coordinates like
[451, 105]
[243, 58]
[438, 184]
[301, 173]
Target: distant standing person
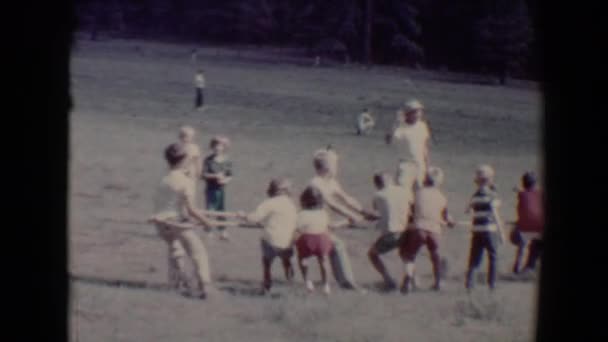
[413, 134]
[199, 84]
[217, 172]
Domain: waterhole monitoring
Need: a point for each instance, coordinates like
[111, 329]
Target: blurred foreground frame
[49, 39]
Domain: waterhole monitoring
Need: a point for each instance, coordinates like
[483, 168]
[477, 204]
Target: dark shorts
[388, 242]
[313, 245]
[269, 252]
[416, 238]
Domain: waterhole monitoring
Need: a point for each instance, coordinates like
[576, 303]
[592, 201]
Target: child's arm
[449, 221]
[339, 224]
[353, 205]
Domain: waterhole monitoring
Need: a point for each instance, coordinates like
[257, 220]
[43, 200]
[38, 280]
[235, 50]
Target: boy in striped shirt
[487, 226]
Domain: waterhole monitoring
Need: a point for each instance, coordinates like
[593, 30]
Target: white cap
[412, 105]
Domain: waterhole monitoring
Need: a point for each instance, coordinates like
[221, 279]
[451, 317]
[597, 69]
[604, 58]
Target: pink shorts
[313, 245]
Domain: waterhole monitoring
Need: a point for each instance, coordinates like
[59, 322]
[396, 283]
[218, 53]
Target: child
[406, 174]
[193, 159]
[174, 202]
[430, 213]
[530, 222]
[414, 134]
[365, 123]
[340, 202]
[314, 240]
[487, 226]
[199, 84]
[278, 215]
[391, 205]
[217, 172]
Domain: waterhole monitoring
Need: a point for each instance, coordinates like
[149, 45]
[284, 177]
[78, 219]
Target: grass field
[128, 106]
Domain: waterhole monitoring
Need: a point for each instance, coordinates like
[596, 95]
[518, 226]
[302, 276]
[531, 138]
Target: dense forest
[480, 36]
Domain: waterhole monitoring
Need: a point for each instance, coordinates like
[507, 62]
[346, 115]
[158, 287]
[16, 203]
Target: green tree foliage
[503, 39]
[471, 35]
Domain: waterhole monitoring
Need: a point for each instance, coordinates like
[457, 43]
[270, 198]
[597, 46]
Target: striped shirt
[483, 203]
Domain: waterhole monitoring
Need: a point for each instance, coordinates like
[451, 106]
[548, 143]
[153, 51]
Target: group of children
[408, 208]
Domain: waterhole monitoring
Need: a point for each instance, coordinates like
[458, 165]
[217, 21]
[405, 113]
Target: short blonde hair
[186, 131]
[485, 172]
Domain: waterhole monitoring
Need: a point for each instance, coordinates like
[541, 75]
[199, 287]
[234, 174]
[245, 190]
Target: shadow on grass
[236, 287]
[121, 283]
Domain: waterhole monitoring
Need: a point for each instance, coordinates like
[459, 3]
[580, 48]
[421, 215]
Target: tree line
[481, 36]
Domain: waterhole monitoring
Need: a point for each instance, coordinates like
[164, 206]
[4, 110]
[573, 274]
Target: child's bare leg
[267, 264]
[304, 270]
[287, 267]
[374, 257]
[323, 266]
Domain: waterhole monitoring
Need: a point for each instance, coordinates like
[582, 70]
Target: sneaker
[326, 289]
[406, 286]
[224, 236]
[390, 285]
[436, 287]
[310, 286]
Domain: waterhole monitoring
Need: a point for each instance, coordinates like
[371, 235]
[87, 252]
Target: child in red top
[530, 222]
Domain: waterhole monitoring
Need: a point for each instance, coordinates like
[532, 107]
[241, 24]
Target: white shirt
[406, 174]
[313, 222]
[173, 191]
[327, 186]
[199, 81]
[365, 119]
[278, 216]
[393, 205]
[193, 155]
[429, 204]
[414, 137]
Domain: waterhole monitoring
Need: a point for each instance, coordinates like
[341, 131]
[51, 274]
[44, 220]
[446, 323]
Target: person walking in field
[430, 213]
[217, 173]
[199, 85]
[314, 239]
[530, 223]
[341, 203]
[174, 206]
[278, 216]
[413, 134]
[487, 226]
[391, 205]
[365, 123]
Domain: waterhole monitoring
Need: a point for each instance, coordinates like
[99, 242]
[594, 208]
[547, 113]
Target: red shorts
[416, 238]
[313, 245]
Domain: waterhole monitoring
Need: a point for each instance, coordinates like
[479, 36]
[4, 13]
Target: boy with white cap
[391, 205]
[487, 226]
[430, 213]
[413, 133]
[278, 215]
[365, 122]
